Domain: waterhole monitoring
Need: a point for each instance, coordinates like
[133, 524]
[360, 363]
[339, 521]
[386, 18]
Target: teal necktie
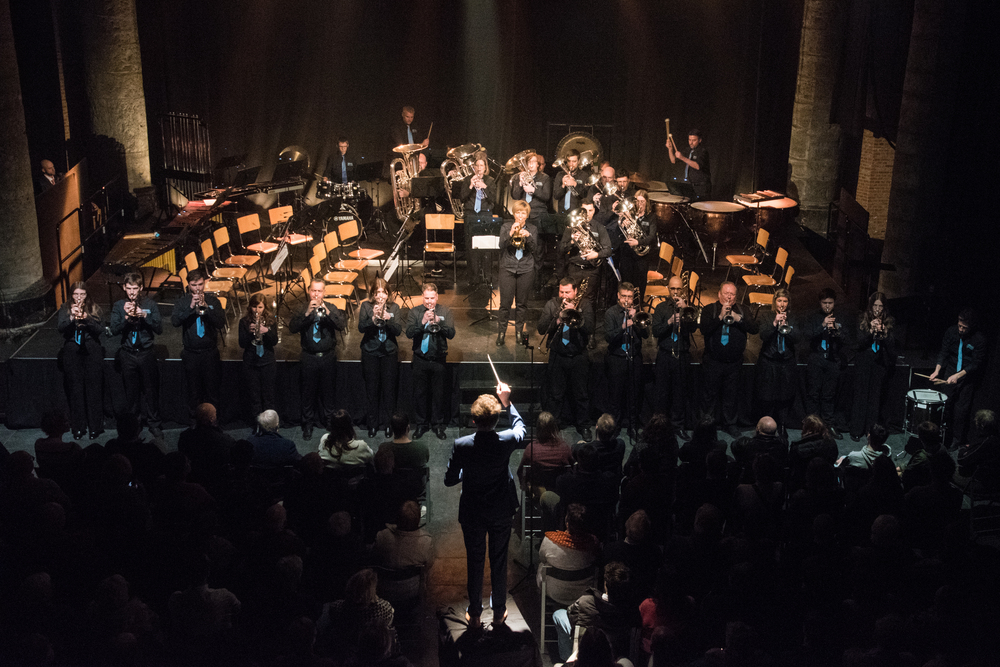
[823, 346]
[316, 332]
[425, 343]
[519, 254]
[260, 349]
[199, 328]
[566, 200]
[479, 200]
[409, 135]
[960, 346]
[565, 336]
[725, 334]
[343, 169]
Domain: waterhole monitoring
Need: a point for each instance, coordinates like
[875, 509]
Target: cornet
[435, 325]
[784, 328]
[729, 320]
[258, 337]
[378, 310]
[516, 238]
[198, 303]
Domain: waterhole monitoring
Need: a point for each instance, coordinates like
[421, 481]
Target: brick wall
[875, 181]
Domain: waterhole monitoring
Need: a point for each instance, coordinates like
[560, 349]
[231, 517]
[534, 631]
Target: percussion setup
[351, 193]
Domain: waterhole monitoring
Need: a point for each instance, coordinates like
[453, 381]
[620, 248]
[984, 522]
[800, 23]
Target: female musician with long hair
[83, 361]
[777, 377]
[258, 336]
[518, 240]
[379, 322]
[630, 264]
[874, 364]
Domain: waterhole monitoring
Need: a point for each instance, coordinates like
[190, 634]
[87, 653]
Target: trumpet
[198, 303]
[833, 331]
[435, 325]
[258, 337]
[784, 328]
[378, 310]
[880, 332]
[729, 320]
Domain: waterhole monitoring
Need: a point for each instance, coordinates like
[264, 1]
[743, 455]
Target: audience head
[176, 467]
[877, 436]
[650, 461]
[408, 517]
[54, 423]
[312, 464]
[400, 423]
[813, 425]
[575, 519]
[659, 430]
[486, 411]
[595, 649]
[617, 578]
[361, 587]
[128, 426]
[606, 427]
[766, 470]
[708, 521]
[547, 428]
[21, 465]
[985, 422]
[637, 527]
[268, 421]
[587, 458]
[767, 426]
[117, 471]
[205, 415]
[704, 430]
[341, 431]
[339, 524]
[885, 530]
[374, 644]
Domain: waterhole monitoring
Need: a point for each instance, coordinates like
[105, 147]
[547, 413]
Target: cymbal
[464, 151]
[406, 149]
[514, 164]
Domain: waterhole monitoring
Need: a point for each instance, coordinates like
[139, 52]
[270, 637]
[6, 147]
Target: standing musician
[962, 352]
[725, 327]
[518, 241]
[570, 186]
[827, 338]
[625, 332]
[83, 361]
[200, 317]
[258, 336]
[380, 324]
[478, 194]
[339, 168]
[535, 187]
[673, 326]
[317, 323]
[568, 322]
[874, 364]
[697, 169]
[430, 325]
[582, 263]
[629, 232]
[604, 204]
[777, 377]
[137, 320]
[406, 132]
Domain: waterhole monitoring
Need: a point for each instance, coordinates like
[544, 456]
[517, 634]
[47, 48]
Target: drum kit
[350, 192]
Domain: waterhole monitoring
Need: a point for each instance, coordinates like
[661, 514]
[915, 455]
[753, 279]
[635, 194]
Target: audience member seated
[311, 497]
[979, 462]
[202, 619]
[584, 484]
[58, 460]
[24, 494]
[335, 555]
[180, 503]
[610, 448]
[377, 648]
[669, 611]
[758, 504]
[610, 611]
[917, 471]
[715, 488]
[406, 453]
[596, 651]
[270, 448]
[658, 435]
[822, 494]
[300, 646]
[112, 612]
[651, 490]
[206, 445]
[693, 453]
[856, 466]
[401, 546]
[816, 441]
[548, 455]
[145, 457]
[340, 449]
[276, 599]
[638, 551]
[932, 508]
[765, 440]
[343, 621]
[571, 550]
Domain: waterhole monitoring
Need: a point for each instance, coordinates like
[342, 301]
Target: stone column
[21, 278]
[814, 151]
[932, 66]
[114, 82]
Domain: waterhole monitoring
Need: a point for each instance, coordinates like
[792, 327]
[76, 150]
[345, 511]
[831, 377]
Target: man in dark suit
[481, 462]
[47, 178]
[340, 168]
[270, 448]
[430, 326]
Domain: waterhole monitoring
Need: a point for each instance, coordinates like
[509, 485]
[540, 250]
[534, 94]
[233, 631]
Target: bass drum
[581, 141]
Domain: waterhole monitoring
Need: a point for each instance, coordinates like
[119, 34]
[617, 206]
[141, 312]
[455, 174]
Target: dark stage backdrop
[265, 74]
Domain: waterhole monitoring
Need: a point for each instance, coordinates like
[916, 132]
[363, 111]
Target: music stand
[490, 244]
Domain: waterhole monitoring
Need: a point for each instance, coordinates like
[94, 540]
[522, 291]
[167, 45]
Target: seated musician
[583, 247]
[340, 168]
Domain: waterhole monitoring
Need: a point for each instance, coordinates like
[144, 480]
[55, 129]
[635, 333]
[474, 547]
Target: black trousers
[822, 376]
[84, 371]
[514, 287]
[202, 372]
[673, 382]
[258, 382]
[429, 389]
[381, 375]
[624, 388]
[141, 378]
[720, 390]
[568, 375]
[474, 534]
[319, 388]
[871, 382]
[957, 410]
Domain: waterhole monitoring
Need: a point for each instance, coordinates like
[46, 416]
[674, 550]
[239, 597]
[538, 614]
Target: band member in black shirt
[200, 317]
[380, 324]
[430, 325]
[725, 326]
[673, 326]
[478, 194]
[83, 361]
[317, 323]
[584, 245]
[340, 168]
[623, 363]
[568, 321]
[959, 362]
[137, 320]
[258, 336]
[827, 337]
[534, 187]
[518, 239]
[697, 169]
[777, 378]
[630, 264]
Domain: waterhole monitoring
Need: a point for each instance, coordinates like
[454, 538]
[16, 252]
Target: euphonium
[625, 208]
[585, 242]
[458, 166]
[402, 170]
[519, 164]
[570, 313]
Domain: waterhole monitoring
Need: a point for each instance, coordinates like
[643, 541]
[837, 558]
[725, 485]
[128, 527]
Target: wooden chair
[757, 251]
[694, 288]
[769, 282]
[436, 224]
[251, 223]
[350, 235]
[234, 274]
[666, 254]
[336, 261]
[677, 266]
[222, 241]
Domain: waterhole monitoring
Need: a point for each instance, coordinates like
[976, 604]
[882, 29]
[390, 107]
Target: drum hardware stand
[696, 237]
[377, 219]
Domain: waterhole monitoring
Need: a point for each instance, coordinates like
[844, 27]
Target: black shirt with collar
[330, 322]
[437, 346]
[186, 317]
[577, 338]
[144, 328]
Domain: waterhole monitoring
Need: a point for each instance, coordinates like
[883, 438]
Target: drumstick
[494, 370]
[429, 130]
[935, 380]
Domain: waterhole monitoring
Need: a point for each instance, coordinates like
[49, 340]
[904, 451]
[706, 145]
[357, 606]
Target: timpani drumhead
[718, 206]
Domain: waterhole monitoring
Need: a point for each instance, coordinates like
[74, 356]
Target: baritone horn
[458, 166]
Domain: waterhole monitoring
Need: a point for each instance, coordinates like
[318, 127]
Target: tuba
[402, 171]
[458, 166]
[586, 242]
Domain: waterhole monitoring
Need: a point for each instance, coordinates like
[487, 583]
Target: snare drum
[924, 405]
[324, 189]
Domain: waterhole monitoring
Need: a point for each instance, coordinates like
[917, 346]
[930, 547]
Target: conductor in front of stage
[317, 323]
[481, 462]
[200, 317]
